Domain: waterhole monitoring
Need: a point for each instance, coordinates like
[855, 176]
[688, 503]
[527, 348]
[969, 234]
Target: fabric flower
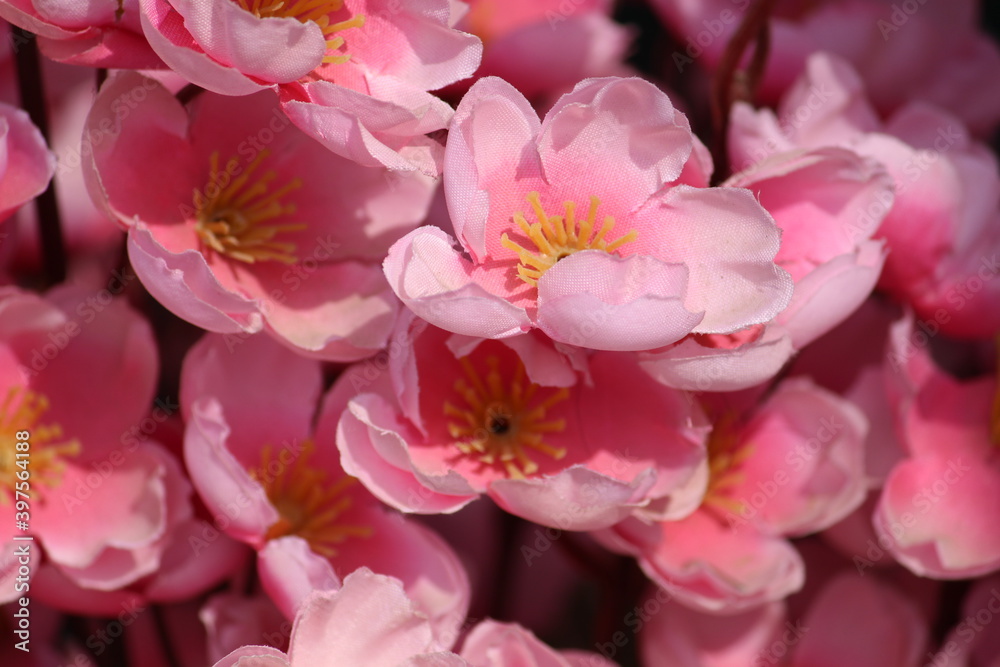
[242, 223]
[454, 418]
[568, 225]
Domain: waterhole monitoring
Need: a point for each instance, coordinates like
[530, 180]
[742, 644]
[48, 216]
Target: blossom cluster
[483, 333]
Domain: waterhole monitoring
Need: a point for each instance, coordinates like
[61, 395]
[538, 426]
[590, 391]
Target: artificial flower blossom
[456, 417]
[921, 51]
[791, 467]
[274, 481]
[817, 198]
[243, 223]
[354, 74]
[884, 625]
[940, 228]
[579, 225]
[104, 33]
[370, 621]
[104, 512]
[939, 511]
[544, 48]
[26, 165]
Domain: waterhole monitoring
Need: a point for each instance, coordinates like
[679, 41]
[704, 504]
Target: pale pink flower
[26, 164]
[273, 480]
[105, 33]
[242, 223]
[791, 467]
[930, 52]
[452, 418]
[354, 74]
[568, 225]
[939, 229]
[104, 515]
[369, 621]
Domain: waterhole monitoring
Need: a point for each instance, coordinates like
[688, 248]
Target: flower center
[304, 11]
[42, 459]
[310, 504]
[726, 453]
[560, 236]
[234, 214]
[498, 423]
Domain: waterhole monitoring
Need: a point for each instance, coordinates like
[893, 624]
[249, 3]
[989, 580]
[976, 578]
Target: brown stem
[29, 82]
[730, 83]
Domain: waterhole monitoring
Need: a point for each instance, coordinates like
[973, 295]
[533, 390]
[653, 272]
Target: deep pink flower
[243, 223]
[791, 467]
[354, 74]
[455, 417]
[95, 34]
[274, 481]
[567, 225]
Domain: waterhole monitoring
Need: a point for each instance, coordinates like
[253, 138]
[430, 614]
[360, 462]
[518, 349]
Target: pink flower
[494, 644]
[354, 74]
[545, 48]
[939, 512]
[104, 516]
[369, 621]
[792, 467]
[26, 165]
[568, 225]
[883, 626]
[242, 223]
[930, 52]
[817, 198]
[454, 418]
[940, 229]
[274, 481]
[95, 34]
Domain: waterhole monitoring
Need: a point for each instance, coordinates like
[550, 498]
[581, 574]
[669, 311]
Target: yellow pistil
[559, 236]
[316, 11]
[725, 456]
[309, 504]
[22, 410]
[234, 214]
[499, 424]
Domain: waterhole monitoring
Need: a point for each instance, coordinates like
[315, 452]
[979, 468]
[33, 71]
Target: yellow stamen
[44, 456]
[556, 237]
[316, 11]
[501, 422]
[233, 215]
[726, 454]
[309, 504]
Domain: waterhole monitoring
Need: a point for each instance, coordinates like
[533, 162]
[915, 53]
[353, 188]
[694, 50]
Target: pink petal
[597, 300]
